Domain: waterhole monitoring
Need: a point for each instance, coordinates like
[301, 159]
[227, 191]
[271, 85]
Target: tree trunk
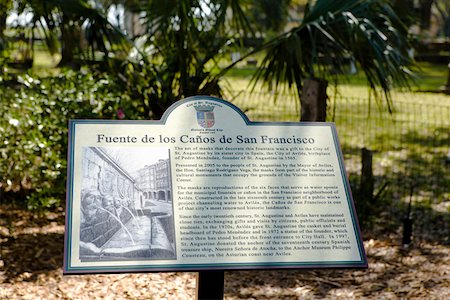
[401, 6]
[3, 16]
[70, 40]
[314, 100]
[2, 26]
[425, 13]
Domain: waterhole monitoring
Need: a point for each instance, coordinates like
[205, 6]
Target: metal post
[210, 285]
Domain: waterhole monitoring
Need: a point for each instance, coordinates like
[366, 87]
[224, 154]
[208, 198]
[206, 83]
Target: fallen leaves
[31, 268]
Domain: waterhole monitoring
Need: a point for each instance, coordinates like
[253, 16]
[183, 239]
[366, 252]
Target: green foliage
[269, 16]
[179, 54]
[330, 36]
[33, 129]
[77, 28]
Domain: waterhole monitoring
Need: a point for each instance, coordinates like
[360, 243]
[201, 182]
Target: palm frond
[331, 34]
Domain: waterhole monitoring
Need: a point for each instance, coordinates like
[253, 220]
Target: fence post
[367, 181]
[408, 222]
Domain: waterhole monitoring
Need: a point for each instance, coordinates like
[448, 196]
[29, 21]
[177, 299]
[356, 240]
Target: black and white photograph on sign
[126, 207]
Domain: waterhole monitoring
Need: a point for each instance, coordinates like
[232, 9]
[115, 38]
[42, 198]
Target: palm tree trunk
[314, 100]
[2, 25]
[3, 16]
[425, 14]
[70, 40]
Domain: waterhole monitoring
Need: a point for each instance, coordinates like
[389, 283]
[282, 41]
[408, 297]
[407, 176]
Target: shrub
[34, 129]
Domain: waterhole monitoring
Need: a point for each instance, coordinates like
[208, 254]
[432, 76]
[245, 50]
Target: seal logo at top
[205, 115]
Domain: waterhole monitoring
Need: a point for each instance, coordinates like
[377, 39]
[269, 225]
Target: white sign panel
[205, 188]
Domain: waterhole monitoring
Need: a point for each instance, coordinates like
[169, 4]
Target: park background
[385, 65]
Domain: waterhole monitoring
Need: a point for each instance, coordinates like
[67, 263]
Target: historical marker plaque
[205, 188]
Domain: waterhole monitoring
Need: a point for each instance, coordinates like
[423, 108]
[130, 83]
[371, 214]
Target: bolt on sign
[204, 188]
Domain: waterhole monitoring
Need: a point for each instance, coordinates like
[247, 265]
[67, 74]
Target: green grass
[432, 76]
[410, 145]
[412, 142]
[428, 76]
[45, 62]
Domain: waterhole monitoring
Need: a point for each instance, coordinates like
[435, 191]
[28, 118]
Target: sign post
[204, 189]
[210, 284]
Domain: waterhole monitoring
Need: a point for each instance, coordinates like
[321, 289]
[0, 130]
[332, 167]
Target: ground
[32, 254]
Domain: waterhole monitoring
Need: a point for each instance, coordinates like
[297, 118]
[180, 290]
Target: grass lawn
[409, 152]
[410, 144]
[45, 63]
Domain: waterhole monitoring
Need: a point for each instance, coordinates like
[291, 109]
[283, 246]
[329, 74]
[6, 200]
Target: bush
[34, 129]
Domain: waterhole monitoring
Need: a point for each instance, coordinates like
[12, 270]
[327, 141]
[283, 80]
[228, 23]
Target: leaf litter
[31, 257]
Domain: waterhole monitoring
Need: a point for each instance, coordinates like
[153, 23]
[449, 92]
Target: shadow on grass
[417, 177]
[424, 137]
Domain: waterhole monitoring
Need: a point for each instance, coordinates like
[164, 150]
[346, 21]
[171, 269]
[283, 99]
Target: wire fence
[410, 144]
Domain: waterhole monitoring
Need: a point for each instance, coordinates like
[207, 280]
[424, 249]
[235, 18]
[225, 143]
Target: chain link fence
[410, 144]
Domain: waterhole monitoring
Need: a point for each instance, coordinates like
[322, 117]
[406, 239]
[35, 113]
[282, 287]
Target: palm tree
[332, 33]
[180, 52]
[269, 16]
[68, 19]
[5, 6]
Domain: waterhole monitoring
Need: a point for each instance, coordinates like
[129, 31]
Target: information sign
[206, 189]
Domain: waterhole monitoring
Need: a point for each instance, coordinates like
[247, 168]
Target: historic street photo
[126, 207]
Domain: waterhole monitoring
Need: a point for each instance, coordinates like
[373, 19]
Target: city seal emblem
[205, 115]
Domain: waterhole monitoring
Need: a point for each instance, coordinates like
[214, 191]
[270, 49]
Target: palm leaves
[179, 54]
[66, 18]
[183, 45]
[332, 33]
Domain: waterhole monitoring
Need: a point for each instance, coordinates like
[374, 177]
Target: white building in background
[155, 182]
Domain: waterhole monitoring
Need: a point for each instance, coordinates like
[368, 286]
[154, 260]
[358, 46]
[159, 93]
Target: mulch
[32, 255]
